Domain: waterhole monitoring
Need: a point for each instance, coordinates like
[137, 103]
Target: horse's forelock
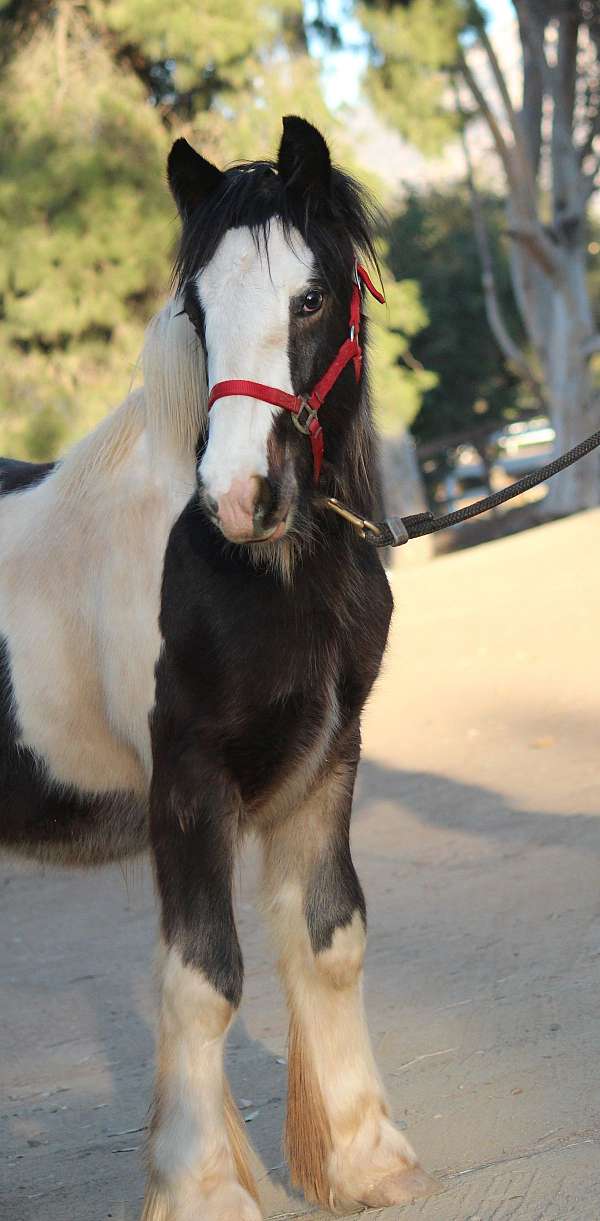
[336, 224]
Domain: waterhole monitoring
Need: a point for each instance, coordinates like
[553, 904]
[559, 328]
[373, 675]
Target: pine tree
[91, 94]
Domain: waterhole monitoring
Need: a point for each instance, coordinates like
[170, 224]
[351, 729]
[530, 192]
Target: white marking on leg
[193, 1163]
[337, 1101]
[328, 1002]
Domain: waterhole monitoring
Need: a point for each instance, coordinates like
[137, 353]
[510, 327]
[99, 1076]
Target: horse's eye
[312, 301]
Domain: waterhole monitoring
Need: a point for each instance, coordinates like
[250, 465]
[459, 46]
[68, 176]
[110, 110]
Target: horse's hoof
[231, 1202]
[401, 1187]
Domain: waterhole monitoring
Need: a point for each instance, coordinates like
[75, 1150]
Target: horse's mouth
[285, 513]
[271, 536]
[268, 528]
[274, 535]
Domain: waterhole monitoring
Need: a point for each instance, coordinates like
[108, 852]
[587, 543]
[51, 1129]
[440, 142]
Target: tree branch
[524, 204]
[526, 234]
[513, 118]
[411, 361]
[591, 345]
[504, 152]
[506, 343]
[568, 185]
[566, 173]
[533, 98]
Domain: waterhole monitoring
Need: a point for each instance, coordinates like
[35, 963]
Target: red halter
[304, 409]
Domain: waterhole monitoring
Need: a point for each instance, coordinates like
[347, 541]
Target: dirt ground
[477, 836]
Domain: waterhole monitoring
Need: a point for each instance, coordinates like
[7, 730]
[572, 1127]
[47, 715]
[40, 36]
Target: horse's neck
[154, 433]
[127, 453]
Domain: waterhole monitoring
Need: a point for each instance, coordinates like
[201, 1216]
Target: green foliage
[398, 388]
[86, 227]
[91, 96]
[192, 56]
[432, 242]
[413, 46]
[89, 103]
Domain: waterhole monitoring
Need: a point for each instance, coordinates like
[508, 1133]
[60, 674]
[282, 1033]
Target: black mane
[336, 226]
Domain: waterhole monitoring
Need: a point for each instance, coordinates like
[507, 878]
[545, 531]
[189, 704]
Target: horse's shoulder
[16, 475]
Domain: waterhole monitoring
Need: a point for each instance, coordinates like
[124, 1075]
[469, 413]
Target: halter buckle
[303, 418]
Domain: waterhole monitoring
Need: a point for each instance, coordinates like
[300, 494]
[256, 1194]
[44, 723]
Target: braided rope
[419, 524]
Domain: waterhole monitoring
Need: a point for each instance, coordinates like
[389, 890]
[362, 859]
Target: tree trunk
[403, 491]
[574, 412]
[548, 259]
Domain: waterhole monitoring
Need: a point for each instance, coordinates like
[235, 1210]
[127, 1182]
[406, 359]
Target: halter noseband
[305, 408]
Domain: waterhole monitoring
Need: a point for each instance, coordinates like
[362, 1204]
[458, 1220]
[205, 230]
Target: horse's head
[267, 274]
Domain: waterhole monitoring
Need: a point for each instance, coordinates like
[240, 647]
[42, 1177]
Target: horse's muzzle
[253, 510]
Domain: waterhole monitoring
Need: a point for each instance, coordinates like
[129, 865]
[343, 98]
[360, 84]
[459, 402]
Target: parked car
[515, 450]
[525, 445]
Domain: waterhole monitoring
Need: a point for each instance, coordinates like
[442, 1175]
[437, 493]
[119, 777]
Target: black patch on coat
[16, 475]
[57, 822]
[334, 893]
[250, 663]
[193, 824]
[242, 695]
[195, 312]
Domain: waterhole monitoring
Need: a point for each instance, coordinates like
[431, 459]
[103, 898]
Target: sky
[343, 68]
[499, 9]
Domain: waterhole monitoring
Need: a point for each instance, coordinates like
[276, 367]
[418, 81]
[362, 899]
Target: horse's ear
[303, 161]
[191, 177]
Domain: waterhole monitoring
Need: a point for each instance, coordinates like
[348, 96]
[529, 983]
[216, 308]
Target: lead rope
[394, 531]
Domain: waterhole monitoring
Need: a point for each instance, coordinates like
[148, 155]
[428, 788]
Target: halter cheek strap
[305, 409]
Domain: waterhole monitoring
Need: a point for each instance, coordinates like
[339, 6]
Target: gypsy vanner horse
[188, 639]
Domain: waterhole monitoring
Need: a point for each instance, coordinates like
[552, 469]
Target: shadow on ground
[450, 805]
[78, 1047]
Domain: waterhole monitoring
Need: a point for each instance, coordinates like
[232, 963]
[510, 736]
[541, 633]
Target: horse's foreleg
[341, 1145]
[199, 1158]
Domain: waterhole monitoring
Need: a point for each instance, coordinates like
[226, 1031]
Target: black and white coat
[204, 649]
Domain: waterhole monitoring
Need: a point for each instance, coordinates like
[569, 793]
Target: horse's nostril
[265, 501]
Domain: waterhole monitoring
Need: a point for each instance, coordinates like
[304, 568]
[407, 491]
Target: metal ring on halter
[303, 421]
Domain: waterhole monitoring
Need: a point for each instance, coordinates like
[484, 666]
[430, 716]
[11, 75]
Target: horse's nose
[244, 511]
[264, 506]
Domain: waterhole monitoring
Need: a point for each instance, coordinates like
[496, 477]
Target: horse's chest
[265, 679]
[268, 744]
[286, 704]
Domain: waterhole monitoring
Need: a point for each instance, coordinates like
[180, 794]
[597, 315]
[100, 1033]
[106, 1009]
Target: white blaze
[245, 293]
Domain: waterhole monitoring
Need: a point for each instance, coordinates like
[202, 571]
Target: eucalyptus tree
[434, 70]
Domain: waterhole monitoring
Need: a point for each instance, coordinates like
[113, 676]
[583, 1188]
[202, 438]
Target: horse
[188, 637]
